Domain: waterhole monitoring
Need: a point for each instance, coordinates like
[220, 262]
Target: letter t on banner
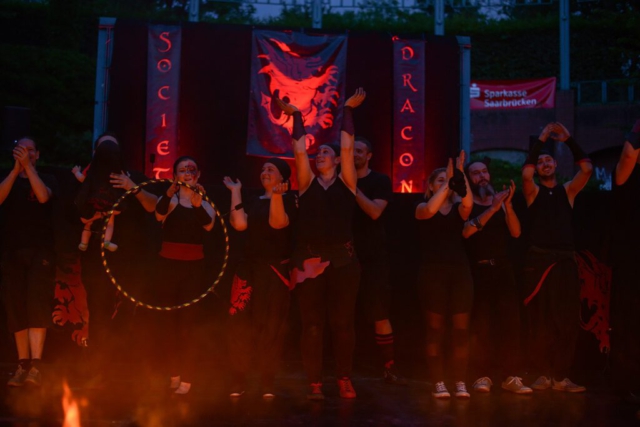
[163, 87]
[408, 116]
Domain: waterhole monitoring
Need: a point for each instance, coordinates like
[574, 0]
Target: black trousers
[330, 296]
[257, 321]
[553, 314]
[495, 322]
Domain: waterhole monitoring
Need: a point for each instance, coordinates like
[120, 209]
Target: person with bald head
[28, 258]
[496, 311]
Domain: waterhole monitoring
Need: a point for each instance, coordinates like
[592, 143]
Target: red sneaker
[315, 392]
[346, 388]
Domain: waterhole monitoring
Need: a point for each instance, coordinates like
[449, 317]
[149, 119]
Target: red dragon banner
[305, 70]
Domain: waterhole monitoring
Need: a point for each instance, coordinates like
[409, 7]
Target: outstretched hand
[449, 173]
[231, 184]
[544, 135]
[121, 180]
[460, 161]
[288, 109]
[356, 99]
[196, 198]
[512, 191]
[173, 189]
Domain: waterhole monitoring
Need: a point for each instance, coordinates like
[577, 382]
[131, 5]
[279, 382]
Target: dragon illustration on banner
[71, 301]
[305, 71]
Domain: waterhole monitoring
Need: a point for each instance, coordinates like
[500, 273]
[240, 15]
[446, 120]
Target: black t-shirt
[263, 241]
[492, 241]
[441, 238]
[625, 219]
[27, 223]
[551, 217]
[369, 234]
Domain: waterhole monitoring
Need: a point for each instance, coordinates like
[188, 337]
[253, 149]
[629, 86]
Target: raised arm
[238, 216]
[278, 217]
[124, 181]
[347, 140]
[466, 205]
[474, 225]
[510, 217]
[581, 178]
[429, 208]
[303, 167]
[205, 215]
[165, 203]
[529, 187]
[41, 191]
[630, 155]
[7, 183]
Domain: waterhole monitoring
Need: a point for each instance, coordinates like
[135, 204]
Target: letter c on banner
[407, 53]
[164, 65]
[164, 36]
[161, 94]
[406, 159]
[404, 135]
[163, 147]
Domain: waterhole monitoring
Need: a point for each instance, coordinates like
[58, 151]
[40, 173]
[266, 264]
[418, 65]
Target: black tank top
[181, 226]
[441, 238]
[492, 241]
[325, 215]
[551, 217]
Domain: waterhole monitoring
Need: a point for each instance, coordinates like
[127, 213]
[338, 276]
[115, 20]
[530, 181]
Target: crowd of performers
[325, 247]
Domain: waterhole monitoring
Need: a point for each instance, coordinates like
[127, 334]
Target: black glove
[576, 150]
[298, 126]
[457, 183]
[532, 158]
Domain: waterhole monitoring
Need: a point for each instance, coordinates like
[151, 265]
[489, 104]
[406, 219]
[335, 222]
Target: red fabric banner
[307, 71]
[408, 116]
[163, 89]
[513, 94]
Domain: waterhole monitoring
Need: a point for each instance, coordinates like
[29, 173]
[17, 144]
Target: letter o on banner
[406, 159]
[164, 65]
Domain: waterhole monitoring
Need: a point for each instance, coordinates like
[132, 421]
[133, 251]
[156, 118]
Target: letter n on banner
[163, 84]
[408, 116]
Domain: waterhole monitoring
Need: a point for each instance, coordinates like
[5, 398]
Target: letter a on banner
[408, 116]
[163, 90]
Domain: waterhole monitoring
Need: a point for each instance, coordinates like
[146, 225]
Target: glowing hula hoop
[113, 279]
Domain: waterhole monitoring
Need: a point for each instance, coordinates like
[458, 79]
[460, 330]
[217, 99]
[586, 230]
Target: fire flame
[70, 406]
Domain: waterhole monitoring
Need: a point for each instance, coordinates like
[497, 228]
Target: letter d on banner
[408, 116]
[163, 85]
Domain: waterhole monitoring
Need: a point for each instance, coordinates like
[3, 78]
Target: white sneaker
[440, 391]
[514, 385]
[483, 385]
[461, 390]
[183, 388]
[568, 385]
[542, 383]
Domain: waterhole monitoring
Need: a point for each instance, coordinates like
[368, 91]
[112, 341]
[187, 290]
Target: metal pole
[439, 17]
[316, 14]
[465, 101]
[564, 45]
[103, 64]
[194, 10]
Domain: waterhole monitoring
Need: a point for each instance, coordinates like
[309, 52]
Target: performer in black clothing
[185, 218]
[372, 196]
[260, 290]
[551, 274]
[28, 258]
[445, 287]
[625, 252]
[495, 320]
[324, 266]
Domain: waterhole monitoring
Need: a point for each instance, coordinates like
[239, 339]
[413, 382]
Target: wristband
[238, 207]
[298, 127]
[347, 121]
[162, 207]
[202, 216]
[578, 153]
[532, 158]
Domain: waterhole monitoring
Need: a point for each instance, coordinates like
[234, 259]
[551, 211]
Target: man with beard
[496, 312]
[551, 278]
[372, 196]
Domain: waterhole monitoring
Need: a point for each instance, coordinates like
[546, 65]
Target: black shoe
[390, 377]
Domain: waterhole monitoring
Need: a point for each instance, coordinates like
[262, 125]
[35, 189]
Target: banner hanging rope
[113, 279]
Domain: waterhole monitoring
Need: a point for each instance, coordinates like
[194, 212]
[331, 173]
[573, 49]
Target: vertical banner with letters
[307, 71]
[163, 90]
[408, 116]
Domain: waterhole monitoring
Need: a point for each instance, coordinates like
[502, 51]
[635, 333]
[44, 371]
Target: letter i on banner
[163, 84]
[408, 116]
